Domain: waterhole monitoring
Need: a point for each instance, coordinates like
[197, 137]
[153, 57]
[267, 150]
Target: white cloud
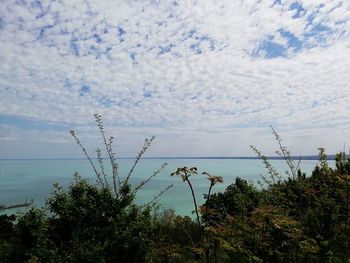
[178, 69]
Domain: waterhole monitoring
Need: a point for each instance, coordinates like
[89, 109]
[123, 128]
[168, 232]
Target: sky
[207, 78]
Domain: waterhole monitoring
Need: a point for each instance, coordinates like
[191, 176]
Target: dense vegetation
[292, 218]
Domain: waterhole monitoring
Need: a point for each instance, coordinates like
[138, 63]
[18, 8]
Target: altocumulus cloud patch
[202, 66]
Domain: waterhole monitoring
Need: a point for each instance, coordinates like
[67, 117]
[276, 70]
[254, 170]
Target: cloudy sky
[207, 78]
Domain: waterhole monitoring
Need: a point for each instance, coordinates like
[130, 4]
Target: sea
[26, 180]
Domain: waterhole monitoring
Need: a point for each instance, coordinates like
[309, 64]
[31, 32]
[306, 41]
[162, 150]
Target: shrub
[86, 222]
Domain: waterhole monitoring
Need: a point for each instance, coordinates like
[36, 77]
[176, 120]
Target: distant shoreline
[307, 157]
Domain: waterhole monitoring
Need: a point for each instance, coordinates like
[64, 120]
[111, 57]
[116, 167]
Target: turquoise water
[33, 179]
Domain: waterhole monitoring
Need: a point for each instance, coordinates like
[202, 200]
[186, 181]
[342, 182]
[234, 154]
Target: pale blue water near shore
[33, 179]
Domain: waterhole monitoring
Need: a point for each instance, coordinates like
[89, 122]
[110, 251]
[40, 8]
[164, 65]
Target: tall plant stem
[208, 200]
[195, 206]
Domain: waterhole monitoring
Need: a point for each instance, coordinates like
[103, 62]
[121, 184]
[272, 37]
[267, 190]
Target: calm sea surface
[33, 179]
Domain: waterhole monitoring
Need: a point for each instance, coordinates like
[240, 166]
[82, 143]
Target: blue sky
[207, 78]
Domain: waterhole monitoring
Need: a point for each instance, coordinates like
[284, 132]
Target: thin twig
[159, 195]
[100, 161]
[271, 170]
[87, 156]
[285, 153]
[145, 146]
[108, 146]
[193, 244]
[149, 178]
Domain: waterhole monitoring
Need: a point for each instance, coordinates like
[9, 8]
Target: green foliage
[240, 198]
[7, 237]
[296, 219]
[90, 224]
[293, 218]
[175, 236]
[85, 223]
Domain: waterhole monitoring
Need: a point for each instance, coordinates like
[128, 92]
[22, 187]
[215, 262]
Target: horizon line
[300, 157]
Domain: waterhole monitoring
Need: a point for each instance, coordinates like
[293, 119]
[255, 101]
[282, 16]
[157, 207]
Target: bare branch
[153, 201]
[150, 178]
[88, 157]
[144, 148]
[108, 145]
